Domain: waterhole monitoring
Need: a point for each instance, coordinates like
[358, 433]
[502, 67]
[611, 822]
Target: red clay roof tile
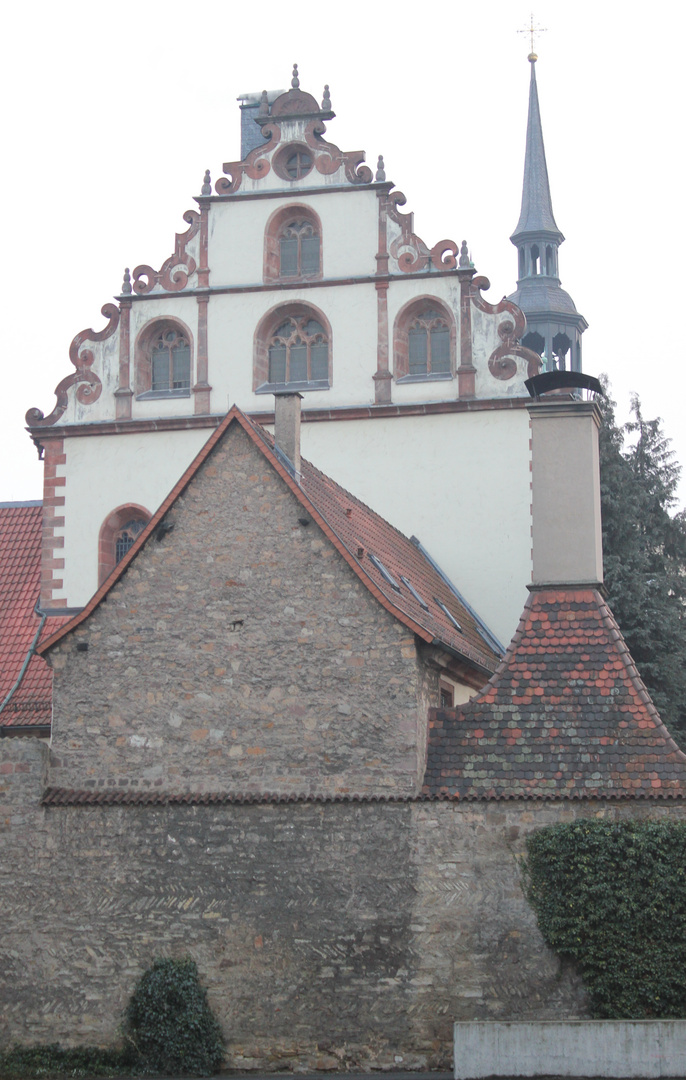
[27, 702]
[586, 728]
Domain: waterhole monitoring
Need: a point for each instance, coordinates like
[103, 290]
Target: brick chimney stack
[566, 530]
[287, 426]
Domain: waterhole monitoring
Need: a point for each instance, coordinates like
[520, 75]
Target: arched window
[293, 349]
[298, 250]
[298, 352]
[293, 245]
[424, 342]
[163, 360]
[118, 534]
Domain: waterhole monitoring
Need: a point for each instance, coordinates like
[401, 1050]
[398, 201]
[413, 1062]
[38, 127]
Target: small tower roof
[537, 209]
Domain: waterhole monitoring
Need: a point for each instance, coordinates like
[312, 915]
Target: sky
[113, 112]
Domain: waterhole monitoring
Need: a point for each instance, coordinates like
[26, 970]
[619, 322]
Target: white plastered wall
[349, 234]
[104, 472]
[459, 482]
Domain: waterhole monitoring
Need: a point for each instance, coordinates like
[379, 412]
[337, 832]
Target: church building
[301, 491]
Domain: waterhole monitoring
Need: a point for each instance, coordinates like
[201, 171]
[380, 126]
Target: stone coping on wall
[54, 796]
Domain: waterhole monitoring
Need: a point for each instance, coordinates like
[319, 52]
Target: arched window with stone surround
[424, 341]
[293, 350]
[164, 360]
[118, 534]
[293, 245]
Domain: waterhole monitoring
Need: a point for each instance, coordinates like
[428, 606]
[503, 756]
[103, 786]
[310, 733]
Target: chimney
[287, 426]
[566, 531]
[251, 134]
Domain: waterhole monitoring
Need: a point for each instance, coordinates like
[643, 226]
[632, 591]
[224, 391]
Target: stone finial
[206, 184]
[264, 104]
[295, 81]
[326, 100]
[465, 261]
[126, 285]
[380, 169]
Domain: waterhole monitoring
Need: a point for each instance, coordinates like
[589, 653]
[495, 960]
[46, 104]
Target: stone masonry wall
[329, 935]
[239, 653]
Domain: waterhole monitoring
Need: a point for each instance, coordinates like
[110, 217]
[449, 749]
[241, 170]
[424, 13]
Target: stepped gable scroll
[566, 715]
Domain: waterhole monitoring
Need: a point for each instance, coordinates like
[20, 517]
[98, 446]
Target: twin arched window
[163, 360]
[293, 245]
[171, 360]
[424, 341]
[299, 247]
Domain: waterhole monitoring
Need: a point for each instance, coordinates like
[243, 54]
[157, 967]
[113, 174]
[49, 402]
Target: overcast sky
[113, 112]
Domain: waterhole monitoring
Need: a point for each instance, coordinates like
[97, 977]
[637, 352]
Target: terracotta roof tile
[30, 702]
[358, 533]
[566, 713]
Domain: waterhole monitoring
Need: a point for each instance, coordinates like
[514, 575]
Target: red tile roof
[566, 715]
[25, 694]
[357, 532]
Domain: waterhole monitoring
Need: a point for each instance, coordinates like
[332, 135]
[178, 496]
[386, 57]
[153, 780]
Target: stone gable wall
[239, 653]
[328, 935]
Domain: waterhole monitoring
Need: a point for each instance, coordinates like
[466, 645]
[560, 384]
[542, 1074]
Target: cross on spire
[532, 30]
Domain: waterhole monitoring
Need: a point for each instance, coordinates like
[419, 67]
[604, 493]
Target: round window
[293, 162]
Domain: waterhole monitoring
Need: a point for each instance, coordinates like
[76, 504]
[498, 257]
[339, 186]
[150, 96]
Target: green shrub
[53, 1060]
[170, 1024]
[612, 895]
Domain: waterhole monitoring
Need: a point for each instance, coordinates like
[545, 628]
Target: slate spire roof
[382, 557]
[537, 208]
[565, 716]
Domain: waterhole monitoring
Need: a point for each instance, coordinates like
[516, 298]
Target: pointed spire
[207, 184]
[295, 81]
[126, 284]
[537, 209]
[326, 100]
[380, 169]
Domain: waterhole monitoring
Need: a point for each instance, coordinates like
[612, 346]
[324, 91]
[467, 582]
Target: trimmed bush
[53, 1060]
[612, 895]
[170, 1024]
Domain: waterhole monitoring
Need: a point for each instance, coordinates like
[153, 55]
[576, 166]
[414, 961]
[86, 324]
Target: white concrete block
[613, 1048]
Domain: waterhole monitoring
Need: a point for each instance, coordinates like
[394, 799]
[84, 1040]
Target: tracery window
[293, 244]
[429, 344]
[424, 341]
[126, 538]
[171, 361]
[299, 352]
[299, 249]
[293, 348]
[118, 534]
[163, 359]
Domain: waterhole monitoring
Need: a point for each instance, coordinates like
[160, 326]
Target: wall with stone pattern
[329, 935]
[239, 653]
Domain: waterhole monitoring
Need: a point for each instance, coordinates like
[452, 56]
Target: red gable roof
[357, 533]
[25, 692]
[566, 715]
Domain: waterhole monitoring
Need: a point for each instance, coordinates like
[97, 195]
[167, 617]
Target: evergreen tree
[644, 552]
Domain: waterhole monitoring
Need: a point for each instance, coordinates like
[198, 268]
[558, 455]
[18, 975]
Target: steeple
[554, 326]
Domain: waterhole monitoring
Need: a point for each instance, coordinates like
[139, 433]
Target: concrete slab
[572, 1048]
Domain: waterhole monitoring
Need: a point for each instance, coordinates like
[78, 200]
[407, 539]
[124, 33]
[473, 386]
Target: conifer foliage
[644, 553]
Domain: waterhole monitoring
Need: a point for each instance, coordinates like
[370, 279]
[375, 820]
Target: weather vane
[532, 30]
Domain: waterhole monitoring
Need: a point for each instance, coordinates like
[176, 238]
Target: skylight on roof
[385, 574]
[410, 586]
[450, 615]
